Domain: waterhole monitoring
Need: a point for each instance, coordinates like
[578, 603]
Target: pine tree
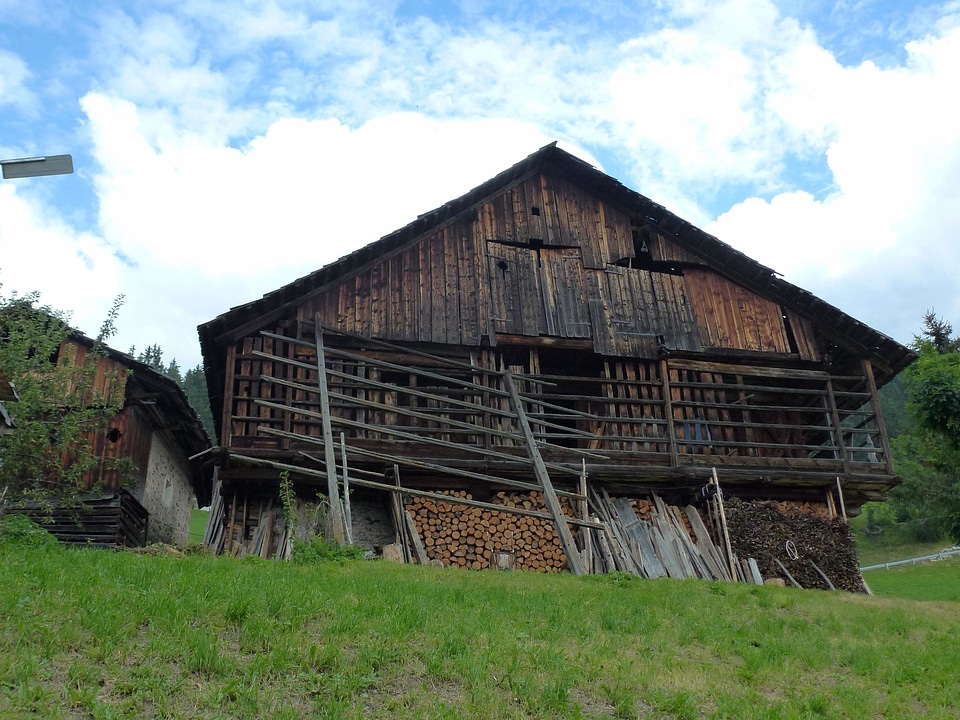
[195, 387]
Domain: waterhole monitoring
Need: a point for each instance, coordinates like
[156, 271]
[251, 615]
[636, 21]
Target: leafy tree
[928, 458]
[50, 450]
[893, 404]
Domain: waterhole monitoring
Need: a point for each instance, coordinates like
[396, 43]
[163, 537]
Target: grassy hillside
[100, 634]
[937, 580]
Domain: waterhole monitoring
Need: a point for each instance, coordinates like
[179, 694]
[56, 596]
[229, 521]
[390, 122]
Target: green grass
[871, 552]
[101, 634]
[198, 525]
[936, 580]
[896, 542]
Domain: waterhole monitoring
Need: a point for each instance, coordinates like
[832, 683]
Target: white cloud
[14, 76]
[76, 272]
[238, 151]
[196, 216]
[892, 216]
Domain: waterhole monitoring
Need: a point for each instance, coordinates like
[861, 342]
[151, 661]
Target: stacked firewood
[804, 508]
[804, 544]
[645, 510]
[472, 537]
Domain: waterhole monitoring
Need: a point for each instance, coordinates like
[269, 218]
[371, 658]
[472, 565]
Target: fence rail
[913, 561]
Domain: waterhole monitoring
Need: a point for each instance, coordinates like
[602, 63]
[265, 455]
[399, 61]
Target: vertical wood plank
[451, 276]
[668, 412]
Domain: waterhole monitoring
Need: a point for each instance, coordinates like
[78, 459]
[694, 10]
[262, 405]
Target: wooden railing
[670, 412]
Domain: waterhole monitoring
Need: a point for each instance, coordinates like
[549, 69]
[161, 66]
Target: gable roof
[888, 355]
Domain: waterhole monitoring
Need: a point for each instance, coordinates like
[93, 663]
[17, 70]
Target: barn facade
[551, 341]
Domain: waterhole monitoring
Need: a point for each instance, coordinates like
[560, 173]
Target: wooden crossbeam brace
[574, 558]
[333, 490]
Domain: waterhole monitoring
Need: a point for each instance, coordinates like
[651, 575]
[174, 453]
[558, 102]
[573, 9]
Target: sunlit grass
[87, 633]
[934, 580]
[198, 525]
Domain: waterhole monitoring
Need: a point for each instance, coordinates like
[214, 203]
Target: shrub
[21, 530]
[317, 550]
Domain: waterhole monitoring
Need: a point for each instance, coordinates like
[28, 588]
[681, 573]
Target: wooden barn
[524, 365]
[158, 431]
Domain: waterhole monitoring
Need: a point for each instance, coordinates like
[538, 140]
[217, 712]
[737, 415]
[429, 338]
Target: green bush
[318, 550]
[21, 530]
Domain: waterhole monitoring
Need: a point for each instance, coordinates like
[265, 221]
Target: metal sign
[37, 166]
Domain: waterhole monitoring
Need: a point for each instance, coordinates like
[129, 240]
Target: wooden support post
[878, 416]
[831, 507]
[330, 459]
[574, 559]
[347, 515]
[668, 411]
[416, 542]
[398, 512]
[843, 508]
[584, 515]
[233, 517]
[822, 574]
[838, 429]
[229, 398]
[786, 572]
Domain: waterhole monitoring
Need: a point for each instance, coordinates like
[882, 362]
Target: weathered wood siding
[730, 316]
[636, 311]
[131, 440]
[109, 380]
[433, 290]
[543, 259]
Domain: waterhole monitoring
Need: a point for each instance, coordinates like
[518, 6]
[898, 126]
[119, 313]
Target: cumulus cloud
[229, 153]
[891, 217]
[14, 90]
[195, 216]
[77, 271]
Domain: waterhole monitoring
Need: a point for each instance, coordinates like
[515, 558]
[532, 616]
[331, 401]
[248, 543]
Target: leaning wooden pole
[723, 525]
[574, 559]
[330, 458]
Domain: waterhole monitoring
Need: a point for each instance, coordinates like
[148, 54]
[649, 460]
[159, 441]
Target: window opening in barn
[645, 254]
[574, 377]
[791, 337]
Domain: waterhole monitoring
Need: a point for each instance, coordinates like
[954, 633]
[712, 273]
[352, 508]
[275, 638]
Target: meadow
[102, 634]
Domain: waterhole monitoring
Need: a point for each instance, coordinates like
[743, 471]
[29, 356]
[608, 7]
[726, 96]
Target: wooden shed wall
[109, 377]
[133, 438]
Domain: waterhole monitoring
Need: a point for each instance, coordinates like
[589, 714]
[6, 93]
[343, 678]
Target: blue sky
[225, 149]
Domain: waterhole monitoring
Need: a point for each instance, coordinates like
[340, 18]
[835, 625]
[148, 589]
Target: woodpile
[473, 538]
[802, 545]
[114, 520]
